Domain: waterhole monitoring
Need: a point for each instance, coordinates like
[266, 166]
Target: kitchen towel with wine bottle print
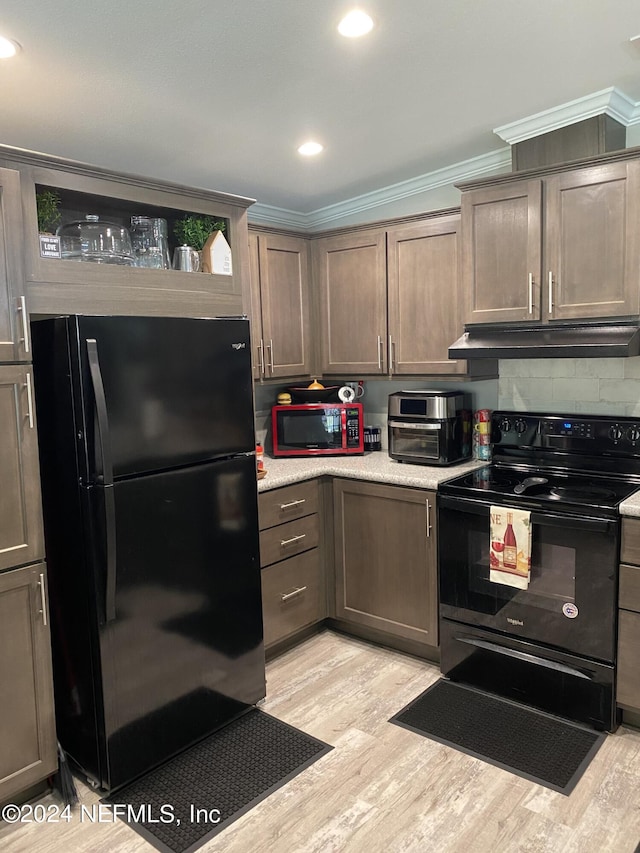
[510, 546]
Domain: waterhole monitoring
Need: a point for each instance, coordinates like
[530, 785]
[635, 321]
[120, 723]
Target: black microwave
[317, 429]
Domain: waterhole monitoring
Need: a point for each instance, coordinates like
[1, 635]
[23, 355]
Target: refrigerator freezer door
[182, 652]
[178, 391]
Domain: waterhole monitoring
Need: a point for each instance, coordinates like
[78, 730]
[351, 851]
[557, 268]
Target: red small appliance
[317, 429]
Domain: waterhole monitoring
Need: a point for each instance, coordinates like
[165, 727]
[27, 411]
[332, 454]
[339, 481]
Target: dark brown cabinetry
[14, 322]
[561, 246]
[280, 323]
[27, 728]
[389, 298]
[385, 559]
[351, 276]
[423, 289]
[293, 586]
[628, 684]
[21, 537]
[56, 285]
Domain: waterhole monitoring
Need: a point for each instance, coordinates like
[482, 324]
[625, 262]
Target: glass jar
[96, 240]
[150, 240]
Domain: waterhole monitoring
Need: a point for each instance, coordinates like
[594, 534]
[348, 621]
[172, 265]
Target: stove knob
[615, 433]
[521, 426]
[505, 425]
[633, 433]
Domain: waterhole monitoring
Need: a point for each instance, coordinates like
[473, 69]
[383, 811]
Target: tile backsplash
[597, 386]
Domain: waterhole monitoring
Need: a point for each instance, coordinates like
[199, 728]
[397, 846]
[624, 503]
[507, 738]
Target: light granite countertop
[376, 466]
[380, 468]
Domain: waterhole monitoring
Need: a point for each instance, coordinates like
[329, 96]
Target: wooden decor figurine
[216, 255]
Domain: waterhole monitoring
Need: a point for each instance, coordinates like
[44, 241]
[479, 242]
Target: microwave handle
[415, 425]
[547, 519]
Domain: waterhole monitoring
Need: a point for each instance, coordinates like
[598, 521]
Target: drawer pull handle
[293, 539]
[289, 595]
[293, 503]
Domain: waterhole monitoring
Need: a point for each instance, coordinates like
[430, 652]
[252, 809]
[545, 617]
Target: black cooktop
[524, 484]
[567, 463]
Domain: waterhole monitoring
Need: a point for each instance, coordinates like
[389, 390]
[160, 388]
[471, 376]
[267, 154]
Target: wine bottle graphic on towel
[510, 555]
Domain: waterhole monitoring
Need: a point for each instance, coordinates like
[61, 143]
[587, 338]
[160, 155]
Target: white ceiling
[219, 95]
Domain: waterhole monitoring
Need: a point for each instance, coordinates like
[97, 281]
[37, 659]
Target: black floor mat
[529, 743]
[181, 805]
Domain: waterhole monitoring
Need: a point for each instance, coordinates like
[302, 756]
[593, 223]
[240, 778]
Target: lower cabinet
[27, 729]
[293, 578]
[628, 677]
[385, 559]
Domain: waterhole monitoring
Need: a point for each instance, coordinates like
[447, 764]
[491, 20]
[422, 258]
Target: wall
[607, 386]
[604, 386]
[482, 395]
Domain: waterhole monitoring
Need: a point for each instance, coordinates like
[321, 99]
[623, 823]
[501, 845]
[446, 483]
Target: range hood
[578, 340]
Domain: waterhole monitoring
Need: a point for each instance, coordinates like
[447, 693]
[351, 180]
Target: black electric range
[549, 641]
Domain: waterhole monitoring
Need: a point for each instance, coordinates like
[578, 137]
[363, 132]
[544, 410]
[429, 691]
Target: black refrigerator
[147, 456]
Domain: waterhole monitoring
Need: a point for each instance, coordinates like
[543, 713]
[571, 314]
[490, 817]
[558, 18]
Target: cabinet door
[350, 273]
[385, 550]
[27, 728]
[14, 326]
[628, 684]
[255, 309]
[21, 538]
[423, 291]
[501, 252]
[591, 242]
[284, 295]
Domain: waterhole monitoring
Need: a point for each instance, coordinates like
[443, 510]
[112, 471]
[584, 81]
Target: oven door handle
[413, 425]
[545, 519]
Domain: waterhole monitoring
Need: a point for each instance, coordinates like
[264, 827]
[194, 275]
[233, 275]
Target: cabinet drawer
[288, 503]
[293, 596]
[630, 544]
[286, 540]
[629, 595]
[628, 691]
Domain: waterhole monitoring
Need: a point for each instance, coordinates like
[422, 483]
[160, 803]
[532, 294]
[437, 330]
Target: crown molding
[491, 163]
[611, 102]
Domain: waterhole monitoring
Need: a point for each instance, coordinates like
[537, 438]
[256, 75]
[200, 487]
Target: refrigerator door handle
[101, 411]
[110, 536]
[107, 479]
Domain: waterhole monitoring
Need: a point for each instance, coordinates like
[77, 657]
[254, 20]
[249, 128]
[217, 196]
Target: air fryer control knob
[615, 433]
[521, 426]
[505, 425]
[633, 433]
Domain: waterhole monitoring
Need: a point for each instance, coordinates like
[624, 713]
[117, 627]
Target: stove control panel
[593, 434]
[568, 428]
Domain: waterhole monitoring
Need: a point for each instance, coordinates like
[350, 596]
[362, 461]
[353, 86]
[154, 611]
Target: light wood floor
[384, 788]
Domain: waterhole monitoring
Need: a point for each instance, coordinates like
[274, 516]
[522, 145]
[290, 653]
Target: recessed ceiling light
[310, 148]
[356, 23]
[8, 48]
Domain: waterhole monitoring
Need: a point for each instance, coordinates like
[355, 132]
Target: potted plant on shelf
[47, 207]
[204, 234]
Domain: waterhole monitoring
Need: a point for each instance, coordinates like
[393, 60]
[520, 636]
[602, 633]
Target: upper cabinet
[350, 272]
[280, 322]
[14, 322]
[423, 296]
[57, 285]
[557, 247]
[389, 298]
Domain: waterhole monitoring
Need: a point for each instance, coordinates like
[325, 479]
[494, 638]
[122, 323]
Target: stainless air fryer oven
[428, 427]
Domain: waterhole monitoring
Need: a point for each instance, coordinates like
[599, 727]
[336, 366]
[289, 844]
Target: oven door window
[570, 599]
[314, 429]
[420, 441]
